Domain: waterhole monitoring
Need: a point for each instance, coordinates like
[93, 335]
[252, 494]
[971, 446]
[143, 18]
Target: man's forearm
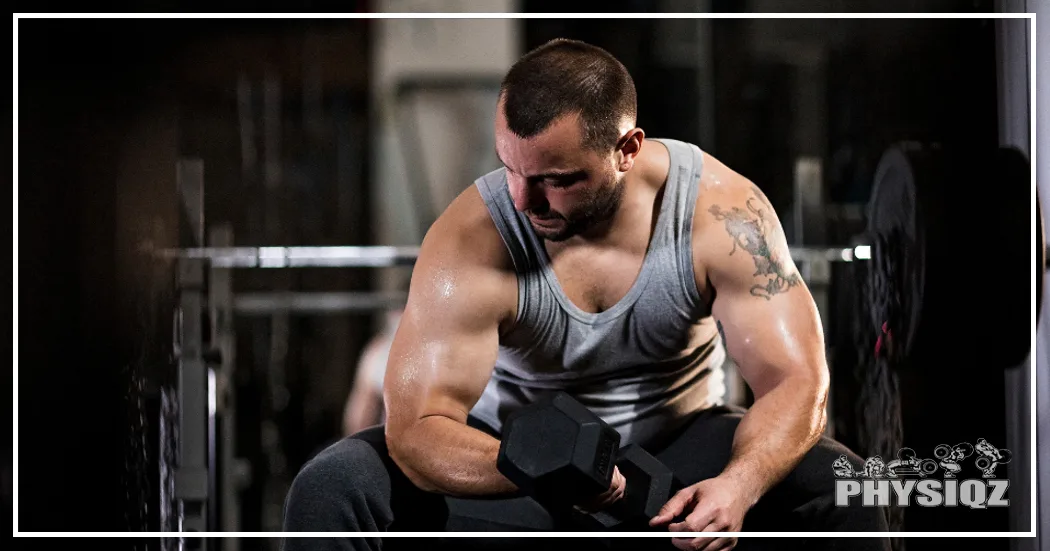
[442, 455]
[774, 435]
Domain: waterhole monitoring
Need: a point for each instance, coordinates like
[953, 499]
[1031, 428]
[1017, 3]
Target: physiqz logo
[938, 482]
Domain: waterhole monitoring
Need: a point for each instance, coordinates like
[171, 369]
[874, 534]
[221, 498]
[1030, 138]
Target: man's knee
[342, 483]
[816, 481]
[827, 461]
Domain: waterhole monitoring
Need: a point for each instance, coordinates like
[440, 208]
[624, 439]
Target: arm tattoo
[751, 229]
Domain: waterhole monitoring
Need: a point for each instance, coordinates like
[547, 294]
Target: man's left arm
[774, 334]
[772, 331]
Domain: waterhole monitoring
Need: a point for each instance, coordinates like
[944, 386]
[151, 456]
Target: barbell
[388, 256]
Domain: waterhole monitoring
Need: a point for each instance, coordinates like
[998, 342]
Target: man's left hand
[712, 505]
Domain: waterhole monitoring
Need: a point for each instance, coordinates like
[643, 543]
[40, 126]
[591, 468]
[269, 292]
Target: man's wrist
[748, 482]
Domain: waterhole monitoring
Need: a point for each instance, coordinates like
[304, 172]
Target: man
[599, 262]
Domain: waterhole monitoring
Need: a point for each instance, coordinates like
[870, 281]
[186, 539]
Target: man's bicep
[767, 313]
[446, 345]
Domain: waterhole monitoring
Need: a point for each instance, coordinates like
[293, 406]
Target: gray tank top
[640, 365]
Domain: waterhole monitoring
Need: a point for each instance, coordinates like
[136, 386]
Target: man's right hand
[608, 497]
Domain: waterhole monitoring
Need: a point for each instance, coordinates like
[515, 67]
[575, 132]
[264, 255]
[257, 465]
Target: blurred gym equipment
[923, 344]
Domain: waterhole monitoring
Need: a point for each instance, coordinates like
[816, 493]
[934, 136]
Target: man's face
[561, 186]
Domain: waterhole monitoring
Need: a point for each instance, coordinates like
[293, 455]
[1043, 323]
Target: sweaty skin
[463, 294]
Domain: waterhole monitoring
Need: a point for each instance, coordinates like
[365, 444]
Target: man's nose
[525, 197]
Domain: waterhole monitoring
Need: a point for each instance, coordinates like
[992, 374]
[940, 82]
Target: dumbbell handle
[648, 486]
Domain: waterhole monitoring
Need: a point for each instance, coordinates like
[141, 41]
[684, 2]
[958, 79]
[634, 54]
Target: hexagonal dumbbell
[561, 453]
[558, 451]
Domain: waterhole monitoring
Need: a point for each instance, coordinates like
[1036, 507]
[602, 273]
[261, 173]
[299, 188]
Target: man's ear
[628, 148]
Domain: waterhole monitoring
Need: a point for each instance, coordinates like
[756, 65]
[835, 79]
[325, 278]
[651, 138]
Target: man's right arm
[443, 353]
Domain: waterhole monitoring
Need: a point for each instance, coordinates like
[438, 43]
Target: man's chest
[596, 280]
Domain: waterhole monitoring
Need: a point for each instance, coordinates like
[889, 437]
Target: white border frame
[481, 15]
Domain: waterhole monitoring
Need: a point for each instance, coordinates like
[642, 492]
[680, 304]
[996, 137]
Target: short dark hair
[565, 76]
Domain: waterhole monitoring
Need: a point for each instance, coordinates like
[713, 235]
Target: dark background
[106, 107]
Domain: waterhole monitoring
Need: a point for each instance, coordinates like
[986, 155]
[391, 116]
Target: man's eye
[563, 181]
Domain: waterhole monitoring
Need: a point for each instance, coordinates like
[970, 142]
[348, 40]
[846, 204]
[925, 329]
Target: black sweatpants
[354, 486]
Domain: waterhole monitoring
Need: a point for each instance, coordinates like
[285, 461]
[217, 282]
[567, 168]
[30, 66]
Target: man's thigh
[702, 447]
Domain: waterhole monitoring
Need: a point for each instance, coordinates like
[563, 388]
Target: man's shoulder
[715, 177]
[466, 232]
[720, 184]
[463, 264]
[718, 177]
[725, 199]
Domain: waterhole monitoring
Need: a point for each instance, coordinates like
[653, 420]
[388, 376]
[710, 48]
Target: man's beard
[598, 208]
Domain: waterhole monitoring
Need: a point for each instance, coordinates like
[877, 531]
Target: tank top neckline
[642, 278]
